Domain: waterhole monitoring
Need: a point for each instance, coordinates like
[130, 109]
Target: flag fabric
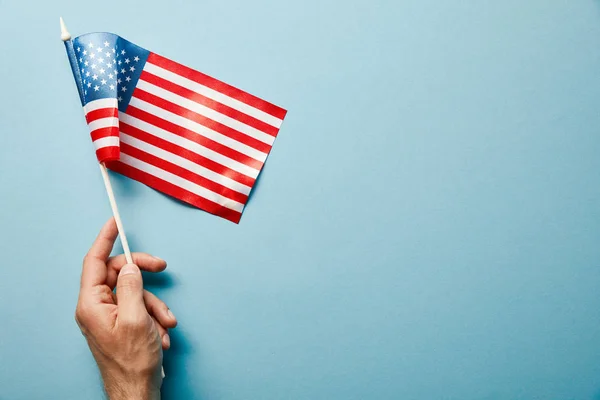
[171, 127]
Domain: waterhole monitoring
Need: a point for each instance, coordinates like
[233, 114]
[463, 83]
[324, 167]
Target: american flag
[171, 127]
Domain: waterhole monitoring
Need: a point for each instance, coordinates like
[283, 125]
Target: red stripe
[101, 113]
[104, 132]
[187, 154]
[193, 136]
[210, 103]
[110, 153]
[217, 85]
[175, 191]
[183, 173]
[202, 120]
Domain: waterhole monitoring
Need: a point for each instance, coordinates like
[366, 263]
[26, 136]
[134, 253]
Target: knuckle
[129, 283]
[83, 311]
[86, 259]
[110, 262]
[103, 293]
[80, 314]
[132, 321]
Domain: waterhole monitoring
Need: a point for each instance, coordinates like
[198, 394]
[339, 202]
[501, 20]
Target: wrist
[132, 393]
[131, 389]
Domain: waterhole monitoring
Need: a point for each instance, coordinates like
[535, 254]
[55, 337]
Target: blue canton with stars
[108, 66]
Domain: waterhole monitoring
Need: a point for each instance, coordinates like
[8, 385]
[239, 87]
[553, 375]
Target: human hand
[125, 330]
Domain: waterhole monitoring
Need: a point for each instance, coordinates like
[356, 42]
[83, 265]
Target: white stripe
[180, 182]
[213, 94]
[190, 145]
[197, 128]
[106, 142]
[206, 111]
[103, 123]
[185, 163]
[99, 104]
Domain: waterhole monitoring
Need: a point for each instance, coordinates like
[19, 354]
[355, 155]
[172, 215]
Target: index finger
[94, 265]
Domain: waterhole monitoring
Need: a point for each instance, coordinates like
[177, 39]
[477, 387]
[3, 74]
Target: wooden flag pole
[66, 36]
[115, 211]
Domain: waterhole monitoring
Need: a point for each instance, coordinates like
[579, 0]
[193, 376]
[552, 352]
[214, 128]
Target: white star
[101, 60]
[87, 73]
[122, 70]
[96, 88]
[114, 61]
[127, 61]
[122, 51]
[112, 87]
[119, 80]
[103, 81]
[127, 79]
[89, 84]
[85, 92]
[105, 44]
[85, 63]
[80, 59]
[84, 81]
[102, 70]
[91, 44]
[120, 98]
[95, 77]
[110, 76]
[136, 58]
[92, 55]
[115, 72]
[107, 54]
[99, 49]
[78, 49]
[123, 89]
[120, 62]
[132, 69]
[82, 70]
[84, 52]
[114, 50]
[93, 66]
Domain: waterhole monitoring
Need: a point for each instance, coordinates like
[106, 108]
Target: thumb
[130, 292]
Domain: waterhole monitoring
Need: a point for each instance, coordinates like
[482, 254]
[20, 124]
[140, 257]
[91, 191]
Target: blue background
[426, 227]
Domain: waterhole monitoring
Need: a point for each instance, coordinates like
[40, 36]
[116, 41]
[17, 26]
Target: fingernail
[158, 258]
[170, 314]
[129, 269]
[167, 340]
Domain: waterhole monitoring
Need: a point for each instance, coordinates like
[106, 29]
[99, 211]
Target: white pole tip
[64, 33]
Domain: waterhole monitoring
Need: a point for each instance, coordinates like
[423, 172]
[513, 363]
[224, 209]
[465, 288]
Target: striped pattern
[194, 137]
[102, 118]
